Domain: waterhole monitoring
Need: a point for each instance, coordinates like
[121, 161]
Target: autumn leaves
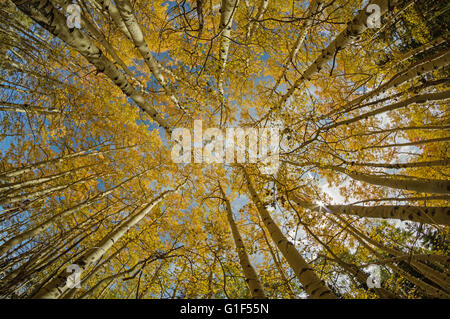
[97, 183]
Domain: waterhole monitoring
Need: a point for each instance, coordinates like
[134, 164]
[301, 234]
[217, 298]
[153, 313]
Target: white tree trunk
[56, 287]
[418, 99]
[312, 10]
[313, 286]
[47, 223]
[430, 186]
[53, 21]
[430, 64]
[251, 277]
[353, 30]
[126, 12]
[427, 215]
[228, 10]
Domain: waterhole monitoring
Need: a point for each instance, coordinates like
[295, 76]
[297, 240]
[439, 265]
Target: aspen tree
[44, 225]
[314, 287]
[57, 286]
[50, 18]
[353, 30]
[251, 277]
[125, 10]
[428, 215]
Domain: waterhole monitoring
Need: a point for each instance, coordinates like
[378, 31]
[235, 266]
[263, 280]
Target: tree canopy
[358, 204]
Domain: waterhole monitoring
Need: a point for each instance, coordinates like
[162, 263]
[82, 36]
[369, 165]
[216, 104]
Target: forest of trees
[88, 184]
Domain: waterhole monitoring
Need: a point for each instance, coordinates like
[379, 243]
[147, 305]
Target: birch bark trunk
[313, 286]
[427, 215]
[55, 288]
[251, 277]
